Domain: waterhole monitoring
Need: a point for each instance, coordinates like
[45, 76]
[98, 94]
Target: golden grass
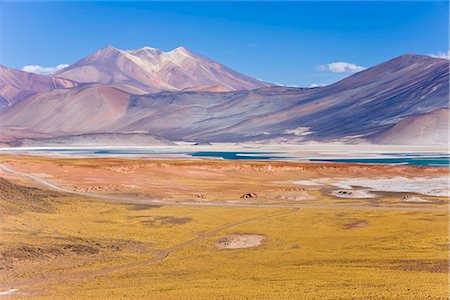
[310, 253]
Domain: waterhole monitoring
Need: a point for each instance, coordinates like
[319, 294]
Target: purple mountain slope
[355, 107]
[425, 129]
[360, 107]
[16, 85]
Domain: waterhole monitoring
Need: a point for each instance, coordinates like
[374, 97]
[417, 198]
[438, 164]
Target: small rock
[250, 195]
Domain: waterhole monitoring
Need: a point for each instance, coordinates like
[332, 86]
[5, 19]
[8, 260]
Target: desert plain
[135, 228]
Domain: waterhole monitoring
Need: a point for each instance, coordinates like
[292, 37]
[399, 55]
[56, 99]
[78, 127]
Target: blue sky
[291, 43]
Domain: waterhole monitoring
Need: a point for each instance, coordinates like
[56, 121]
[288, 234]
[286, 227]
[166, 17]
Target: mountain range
[180, 95]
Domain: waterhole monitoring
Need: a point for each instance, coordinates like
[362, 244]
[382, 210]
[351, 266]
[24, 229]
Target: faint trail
[166, 252]
[208, 204]
[163, 254]
[37, 179]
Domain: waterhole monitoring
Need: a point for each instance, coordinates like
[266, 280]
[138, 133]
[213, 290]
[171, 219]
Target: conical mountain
[152, 70]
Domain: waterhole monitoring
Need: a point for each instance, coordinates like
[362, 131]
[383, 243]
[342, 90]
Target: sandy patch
[315, 182]
[415, 199]
[437, 186]
[306, 182]
[8, 292]
[239, 241]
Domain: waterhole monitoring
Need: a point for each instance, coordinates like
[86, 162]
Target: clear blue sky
[281, 42]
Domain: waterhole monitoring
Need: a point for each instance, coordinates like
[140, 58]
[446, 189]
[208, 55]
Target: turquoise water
[414, 159]
[238, 155]
[232, 155]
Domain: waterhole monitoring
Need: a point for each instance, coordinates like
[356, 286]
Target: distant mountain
[361, 107]
[111, 139]
[352, 109]
[60, 112]
[425, 129]
[16, 85]
[152, 70]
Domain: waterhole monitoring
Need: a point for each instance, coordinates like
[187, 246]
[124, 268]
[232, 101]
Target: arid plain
[112, 228]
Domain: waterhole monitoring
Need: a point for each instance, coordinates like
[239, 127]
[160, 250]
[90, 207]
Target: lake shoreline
[323, 153]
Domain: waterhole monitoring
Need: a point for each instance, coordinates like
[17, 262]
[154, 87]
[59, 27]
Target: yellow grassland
[307, 254]
[84, 248]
